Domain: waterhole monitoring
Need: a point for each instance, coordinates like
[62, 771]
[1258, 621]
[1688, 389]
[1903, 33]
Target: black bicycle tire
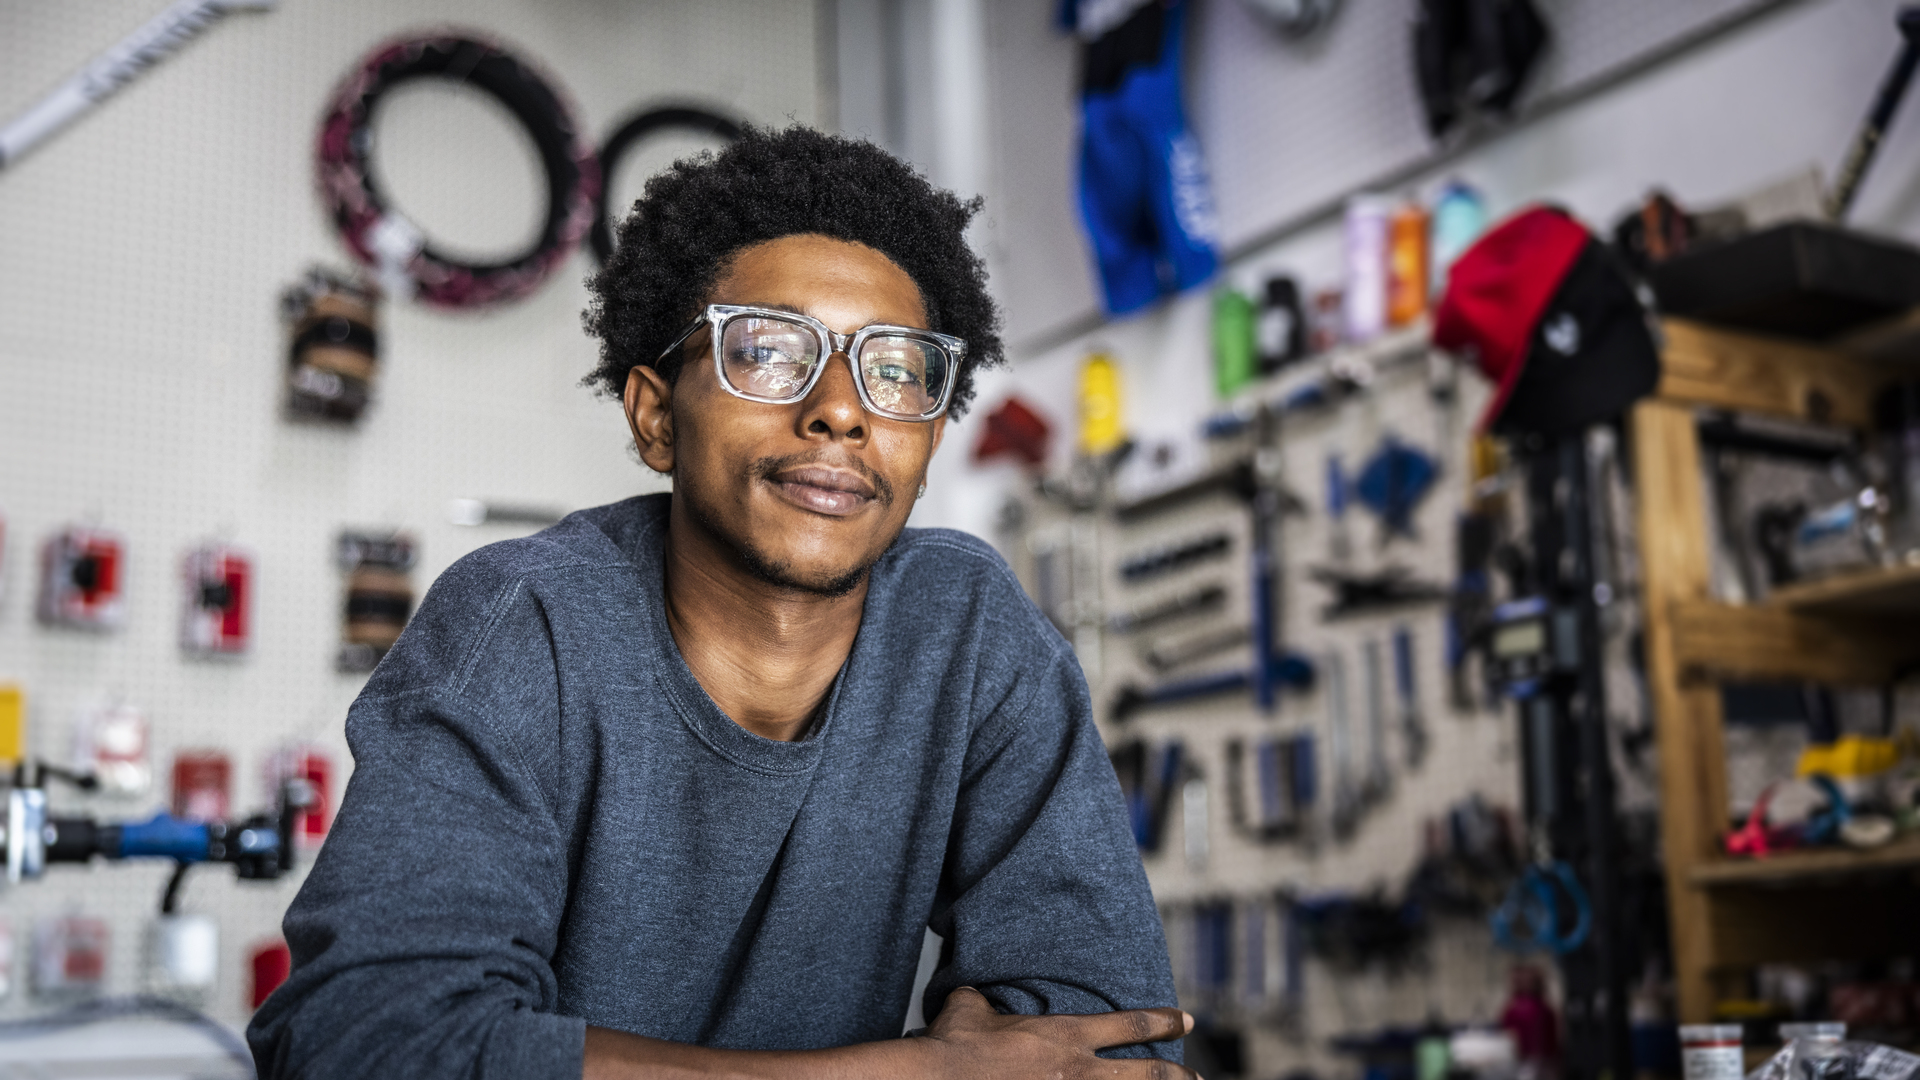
[636, 128]
[357, 205]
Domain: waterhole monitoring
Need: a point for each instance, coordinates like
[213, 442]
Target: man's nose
[834, 409]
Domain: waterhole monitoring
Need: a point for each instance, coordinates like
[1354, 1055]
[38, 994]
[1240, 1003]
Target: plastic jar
[1711, 1052]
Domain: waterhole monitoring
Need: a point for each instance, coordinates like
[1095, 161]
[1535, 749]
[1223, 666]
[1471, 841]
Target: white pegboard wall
[1350, 94]
[1469, 751]
[141, 353]
[1459, 977]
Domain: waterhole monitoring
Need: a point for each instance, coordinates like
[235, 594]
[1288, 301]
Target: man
[674, 787]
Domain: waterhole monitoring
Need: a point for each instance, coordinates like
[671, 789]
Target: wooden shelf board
[1794, 867]
[1748, 372]
[1773, 643]
[1891, 341]
[1889, 591]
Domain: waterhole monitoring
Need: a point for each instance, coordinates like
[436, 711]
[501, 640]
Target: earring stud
[922, 493]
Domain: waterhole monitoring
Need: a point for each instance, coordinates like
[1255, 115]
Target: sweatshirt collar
[646, 548]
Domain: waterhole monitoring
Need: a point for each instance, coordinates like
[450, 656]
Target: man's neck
[766, 654]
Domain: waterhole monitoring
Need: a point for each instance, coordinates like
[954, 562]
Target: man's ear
[649, 406]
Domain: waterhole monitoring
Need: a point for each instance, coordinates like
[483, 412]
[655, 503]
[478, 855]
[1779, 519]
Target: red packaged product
[313, 765]
[218, 583]
[271, 964]
[202, 785]
[83, 579]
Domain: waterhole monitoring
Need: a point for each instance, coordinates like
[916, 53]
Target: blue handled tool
[1339, 539]
[1287, 669]
[258, 847]
[1303, 783]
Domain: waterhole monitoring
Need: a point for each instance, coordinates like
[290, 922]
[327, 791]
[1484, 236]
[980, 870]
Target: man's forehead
[834, 281]
[841, 310]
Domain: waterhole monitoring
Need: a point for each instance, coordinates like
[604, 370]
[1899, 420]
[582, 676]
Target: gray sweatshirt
[550, 825]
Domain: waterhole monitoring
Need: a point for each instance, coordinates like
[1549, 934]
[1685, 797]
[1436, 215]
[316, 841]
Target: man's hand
[976, 1041]
[968, 1040]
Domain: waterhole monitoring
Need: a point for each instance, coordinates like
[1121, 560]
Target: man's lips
[824, 490]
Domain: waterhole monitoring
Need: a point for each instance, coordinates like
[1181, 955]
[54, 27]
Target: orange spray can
[1407, 264]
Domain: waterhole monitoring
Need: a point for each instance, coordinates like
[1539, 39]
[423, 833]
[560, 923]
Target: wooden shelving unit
[1729, 914]
[1874, 592]
[1801, 867]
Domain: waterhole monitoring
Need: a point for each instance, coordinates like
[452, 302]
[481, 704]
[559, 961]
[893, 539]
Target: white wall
[1287, 125]
[1771, 99]
[140, 357]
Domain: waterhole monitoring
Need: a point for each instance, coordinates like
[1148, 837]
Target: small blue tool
[1394, 481]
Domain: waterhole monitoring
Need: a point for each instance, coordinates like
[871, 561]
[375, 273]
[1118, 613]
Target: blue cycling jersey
[1144, 192]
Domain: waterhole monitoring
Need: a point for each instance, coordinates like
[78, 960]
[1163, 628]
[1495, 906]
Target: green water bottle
[1234, 351]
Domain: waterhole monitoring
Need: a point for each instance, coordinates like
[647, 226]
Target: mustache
[769, 468]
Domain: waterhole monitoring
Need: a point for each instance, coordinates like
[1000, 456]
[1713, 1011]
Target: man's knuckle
[1140, 1025]
[1040, 1036]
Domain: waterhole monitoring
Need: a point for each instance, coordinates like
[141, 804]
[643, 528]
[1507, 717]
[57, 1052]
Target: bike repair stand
[1546, 650]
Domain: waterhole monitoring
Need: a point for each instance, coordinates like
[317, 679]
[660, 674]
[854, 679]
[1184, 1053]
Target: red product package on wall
[69, 956]
[83, 579]
[304, 761]
[272, 963]
[111, 740]
[215, 615]
[202, 785]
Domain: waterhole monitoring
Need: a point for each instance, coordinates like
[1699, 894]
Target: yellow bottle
[13, 723]
[1101, 426]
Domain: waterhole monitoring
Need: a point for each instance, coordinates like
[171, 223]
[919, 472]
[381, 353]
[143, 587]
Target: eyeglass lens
[773, 358]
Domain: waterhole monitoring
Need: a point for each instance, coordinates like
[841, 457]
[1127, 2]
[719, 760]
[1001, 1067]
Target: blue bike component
[1525, 607]
[1311, 396]
[1530, 916]
[258, 841]
[1524, 689]
[163, 836]
[1823, 825]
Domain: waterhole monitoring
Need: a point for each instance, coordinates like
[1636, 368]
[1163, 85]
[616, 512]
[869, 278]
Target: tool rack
[1729, 914]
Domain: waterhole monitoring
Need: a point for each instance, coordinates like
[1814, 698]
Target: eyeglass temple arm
[682, 339]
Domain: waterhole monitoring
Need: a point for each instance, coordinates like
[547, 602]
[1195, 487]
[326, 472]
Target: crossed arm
[435, 959]
[968, 1039]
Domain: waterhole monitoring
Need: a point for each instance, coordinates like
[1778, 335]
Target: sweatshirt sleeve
[422, 938]
[1044, 905]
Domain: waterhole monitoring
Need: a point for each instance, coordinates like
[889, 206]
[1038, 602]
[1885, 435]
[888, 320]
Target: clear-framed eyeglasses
[776, 357]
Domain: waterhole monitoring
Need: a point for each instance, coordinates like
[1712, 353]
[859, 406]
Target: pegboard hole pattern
[141, 353]
[1459, 975]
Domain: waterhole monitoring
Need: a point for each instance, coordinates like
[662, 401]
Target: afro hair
[699, 213]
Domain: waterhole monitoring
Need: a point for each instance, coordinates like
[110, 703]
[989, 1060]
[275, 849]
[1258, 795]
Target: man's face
[806, 495]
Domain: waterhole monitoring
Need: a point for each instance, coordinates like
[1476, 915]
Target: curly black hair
[703, 210]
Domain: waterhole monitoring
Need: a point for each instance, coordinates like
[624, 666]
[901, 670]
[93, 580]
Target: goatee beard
[773, 571]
